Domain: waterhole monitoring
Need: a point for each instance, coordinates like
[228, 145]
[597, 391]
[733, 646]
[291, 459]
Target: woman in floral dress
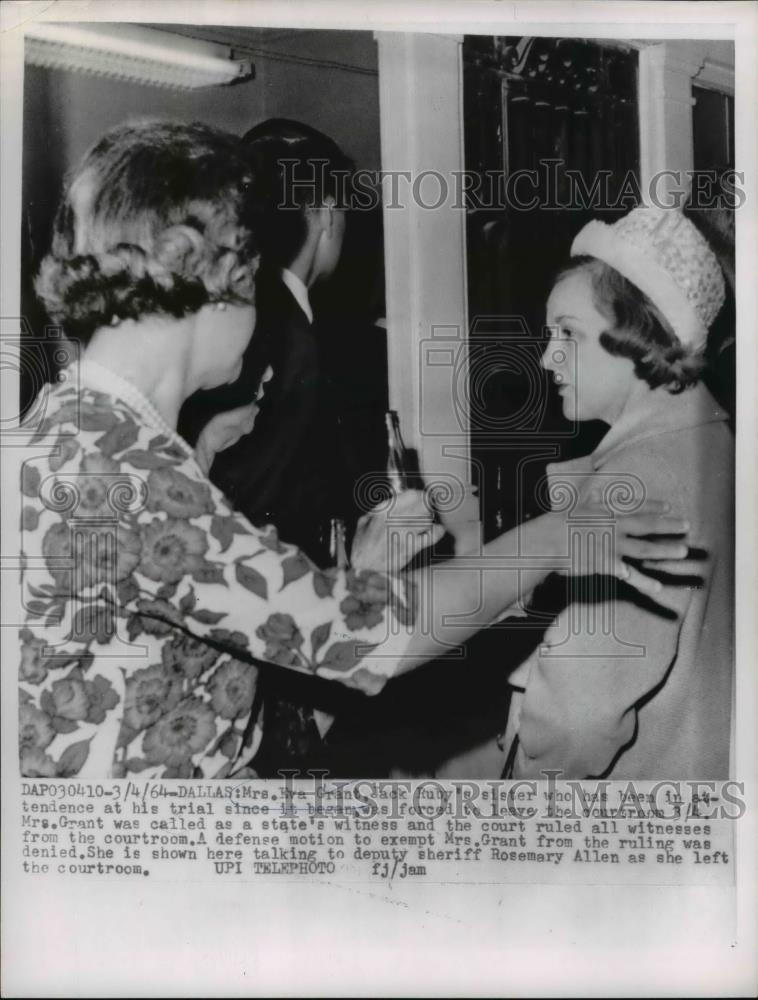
[148, 602]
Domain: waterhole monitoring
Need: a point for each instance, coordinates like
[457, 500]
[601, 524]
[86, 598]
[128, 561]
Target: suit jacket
[281, 473]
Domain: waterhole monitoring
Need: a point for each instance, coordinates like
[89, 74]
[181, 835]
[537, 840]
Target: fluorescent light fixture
[131, 52]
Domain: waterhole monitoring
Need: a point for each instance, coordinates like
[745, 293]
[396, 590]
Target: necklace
[98, 377]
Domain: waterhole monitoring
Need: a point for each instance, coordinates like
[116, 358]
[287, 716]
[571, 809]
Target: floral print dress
[148, 601]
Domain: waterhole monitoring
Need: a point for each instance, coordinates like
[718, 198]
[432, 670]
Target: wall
[327, 79]
[338, 92]
[64, 113]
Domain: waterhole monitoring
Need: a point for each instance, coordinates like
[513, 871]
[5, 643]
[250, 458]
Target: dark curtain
[564, 110]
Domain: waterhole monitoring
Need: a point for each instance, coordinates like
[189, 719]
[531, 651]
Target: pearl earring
[221, 306]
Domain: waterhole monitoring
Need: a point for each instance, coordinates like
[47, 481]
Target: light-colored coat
[623, 689]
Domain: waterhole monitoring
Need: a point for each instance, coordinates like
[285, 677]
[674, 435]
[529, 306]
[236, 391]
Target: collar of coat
[648, 413]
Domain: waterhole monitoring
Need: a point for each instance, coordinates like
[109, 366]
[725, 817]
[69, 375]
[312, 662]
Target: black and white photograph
[376, 424]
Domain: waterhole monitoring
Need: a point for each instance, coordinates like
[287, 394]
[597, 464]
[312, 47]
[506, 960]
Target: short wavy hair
[298, 167]
[159, 217]
[638, 331]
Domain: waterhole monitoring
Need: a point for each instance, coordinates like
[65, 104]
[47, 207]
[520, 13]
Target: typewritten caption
[547, 831]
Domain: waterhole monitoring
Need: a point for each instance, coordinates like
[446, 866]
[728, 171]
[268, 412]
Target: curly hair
[159, 217]
[638, 331]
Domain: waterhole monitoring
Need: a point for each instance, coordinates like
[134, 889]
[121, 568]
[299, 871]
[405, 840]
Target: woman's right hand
[648, 539]
[226, 428]
[409, 519]
[222, 431]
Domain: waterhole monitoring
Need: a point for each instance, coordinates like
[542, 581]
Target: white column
[666, 73]
[420, 93]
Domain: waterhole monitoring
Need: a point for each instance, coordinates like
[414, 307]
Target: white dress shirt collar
[299, 292]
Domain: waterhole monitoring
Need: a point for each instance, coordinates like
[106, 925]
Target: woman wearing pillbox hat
[622, 688]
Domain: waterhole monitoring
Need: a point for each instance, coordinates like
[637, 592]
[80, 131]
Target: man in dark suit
[287, 471]
[283, 472]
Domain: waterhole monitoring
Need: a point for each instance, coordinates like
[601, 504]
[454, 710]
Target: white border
[190, 940]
